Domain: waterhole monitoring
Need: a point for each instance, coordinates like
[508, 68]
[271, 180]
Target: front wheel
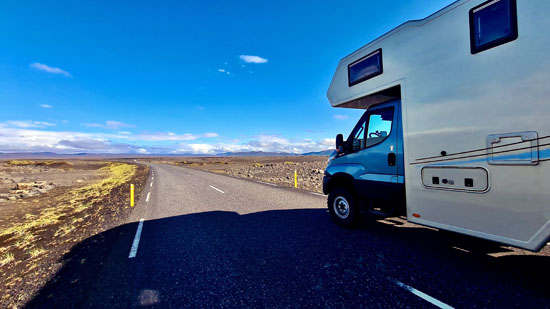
[343, 207]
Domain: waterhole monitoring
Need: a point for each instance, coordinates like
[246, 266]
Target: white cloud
[35, 136]
[110, 124]
[27, 124]
[49, 69]
[170, 136]
[263, 143]
[14, 139]
[252, 59]
[328, 142]
[275, 143]
[84, 143]
[115, 125]
[197, 148]
[44, 124]
[224, 71]
[22, 140]
[46, 106]
[341, 117]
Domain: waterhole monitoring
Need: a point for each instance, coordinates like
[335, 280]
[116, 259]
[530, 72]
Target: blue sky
[181, 76]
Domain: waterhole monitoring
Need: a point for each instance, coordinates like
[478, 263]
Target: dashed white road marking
[318, 194]
[148, 194]
[135, 244]
[151, 184]
[211, 186]
[422, 295]
[267, 183]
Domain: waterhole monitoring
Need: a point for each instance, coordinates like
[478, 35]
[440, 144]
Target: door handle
[391, 159]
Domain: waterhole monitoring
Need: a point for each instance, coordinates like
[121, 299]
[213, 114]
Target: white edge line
[422, 295]
[267, 183]
[211, 186]
[318, 194]
[148, 194]
[135, 244]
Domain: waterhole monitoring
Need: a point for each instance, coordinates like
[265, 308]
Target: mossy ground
[30, 246]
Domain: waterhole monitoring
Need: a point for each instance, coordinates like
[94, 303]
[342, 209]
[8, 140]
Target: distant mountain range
[273, 154]
[319, 153]
[256, 154]
[53, 155]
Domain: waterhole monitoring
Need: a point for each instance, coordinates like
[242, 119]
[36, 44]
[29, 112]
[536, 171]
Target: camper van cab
[455, 133]
[370, 164]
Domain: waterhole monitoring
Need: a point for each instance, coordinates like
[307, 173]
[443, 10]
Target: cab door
[374, 159]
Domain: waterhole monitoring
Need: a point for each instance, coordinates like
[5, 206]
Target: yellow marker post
[132, 195]
[295, 179]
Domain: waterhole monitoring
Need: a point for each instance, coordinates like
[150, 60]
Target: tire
[343, 208]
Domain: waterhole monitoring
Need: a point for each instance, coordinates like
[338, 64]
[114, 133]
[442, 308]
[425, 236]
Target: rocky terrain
[24, 189]
[21, 179]
[309, 174]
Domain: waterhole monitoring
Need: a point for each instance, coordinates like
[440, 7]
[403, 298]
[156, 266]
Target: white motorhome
[457, 122]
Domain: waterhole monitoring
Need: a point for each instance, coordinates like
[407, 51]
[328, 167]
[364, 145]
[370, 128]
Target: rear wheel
[343, 207]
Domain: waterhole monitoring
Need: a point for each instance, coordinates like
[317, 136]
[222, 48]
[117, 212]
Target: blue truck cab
[366, 172]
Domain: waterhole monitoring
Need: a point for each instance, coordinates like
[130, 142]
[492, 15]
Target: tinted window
[379, 126]
[373, 129]
[365, 68]
[492, 23]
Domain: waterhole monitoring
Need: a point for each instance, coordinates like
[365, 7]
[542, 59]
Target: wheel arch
[340, 180]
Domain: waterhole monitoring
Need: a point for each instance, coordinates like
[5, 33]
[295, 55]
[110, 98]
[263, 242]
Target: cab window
[379, 126]
[373, 129]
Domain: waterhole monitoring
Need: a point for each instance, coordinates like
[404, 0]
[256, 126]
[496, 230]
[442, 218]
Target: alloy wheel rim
[341, 207]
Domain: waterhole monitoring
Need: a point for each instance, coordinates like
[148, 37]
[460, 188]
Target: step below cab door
[375, 158]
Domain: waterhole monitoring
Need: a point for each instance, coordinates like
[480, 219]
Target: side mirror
[339, 143]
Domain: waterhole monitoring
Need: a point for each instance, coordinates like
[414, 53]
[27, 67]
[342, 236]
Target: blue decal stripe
[488, 148]
[483, 154]
[544, 155]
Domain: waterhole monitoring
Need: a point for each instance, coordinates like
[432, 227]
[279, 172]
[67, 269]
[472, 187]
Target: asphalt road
[209, 240]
